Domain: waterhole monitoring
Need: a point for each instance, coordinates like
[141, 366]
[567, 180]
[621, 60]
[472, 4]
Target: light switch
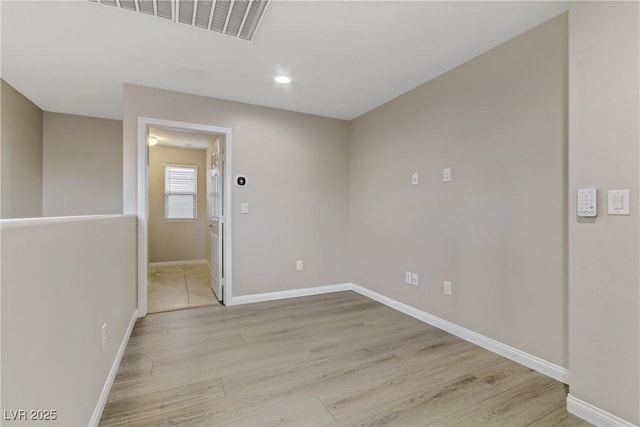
[244, 208]
[414, 178]
[618, 202]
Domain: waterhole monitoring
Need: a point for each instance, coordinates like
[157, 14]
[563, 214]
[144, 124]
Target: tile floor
[178, 287]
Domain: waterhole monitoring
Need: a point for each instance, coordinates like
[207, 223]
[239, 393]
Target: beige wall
[297, 167]
[604, 280]
[82, 165]
[176, 240]
[497, 231]
[52, 315]
[21, 152]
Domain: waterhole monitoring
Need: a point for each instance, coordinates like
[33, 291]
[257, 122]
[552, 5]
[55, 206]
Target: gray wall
[21, 152]
[298, 186]
[604, 280]
[176, 240]
[52, 315]
[497, 231]
[82, 165]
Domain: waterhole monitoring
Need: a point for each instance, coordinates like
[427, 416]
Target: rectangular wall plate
[447, 288]
[618, 203]
[407, 277]
[414, 279]
[446, 175]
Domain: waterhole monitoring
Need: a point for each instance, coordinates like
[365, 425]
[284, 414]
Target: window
[180, 192]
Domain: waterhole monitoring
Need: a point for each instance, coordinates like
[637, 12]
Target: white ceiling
[345, 57]
[180, 138]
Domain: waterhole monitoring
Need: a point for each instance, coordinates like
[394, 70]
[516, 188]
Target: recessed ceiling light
[283, 79]
[152, 141]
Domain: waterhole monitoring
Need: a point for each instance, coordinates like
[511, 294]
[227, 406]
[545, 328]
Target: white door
[216, 222]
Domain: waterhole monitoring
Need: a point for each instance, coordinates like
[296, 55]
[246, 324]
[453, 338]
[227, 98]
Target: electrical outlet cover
[447, 288]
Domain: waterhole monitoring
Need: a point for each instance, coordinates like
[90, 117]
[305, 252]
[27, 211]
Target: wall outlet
[407, 277]
[299, 265]
[414, 279]
[446, 175]
[447, 288]
[104, 337]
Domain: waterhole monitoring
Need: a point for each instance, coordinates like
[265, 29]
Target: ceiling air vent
[235, 18]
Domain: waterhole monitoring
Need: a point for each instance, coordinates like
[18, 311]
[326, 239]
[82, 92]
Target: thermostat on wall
[240, 181]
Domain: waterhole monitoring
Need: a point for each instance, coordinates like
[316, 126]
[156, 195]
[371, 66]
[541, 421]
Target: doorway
[184, 233]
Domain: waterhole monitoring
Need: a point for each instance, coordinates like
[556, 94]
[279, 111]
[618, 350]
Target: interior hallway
[179, 287]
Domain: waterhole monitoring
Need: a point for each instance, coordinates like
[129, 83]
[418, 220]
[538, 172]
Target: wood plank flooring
[329, 360]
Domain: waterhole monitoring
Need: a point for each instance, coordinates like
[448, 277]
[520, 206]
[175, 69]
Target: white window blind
[180, 192]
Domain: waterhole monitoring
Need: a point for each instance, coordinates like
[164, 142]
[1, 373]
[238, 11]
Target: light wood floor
[178, 287]
[336, 360]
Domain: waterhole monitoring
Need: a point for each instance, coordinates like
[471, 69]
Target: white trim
[547, 368]
[575, 406]
[294, 293]
[142, 212]
[102, 400]
[183, 165]
[143, 201]
[228, 219]
[30, 222]
[175, 263]
[593, 414]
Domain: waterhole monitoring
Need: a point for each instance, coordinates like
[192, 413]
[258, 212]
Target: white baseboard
[547, 368]
[102, 400]
[575, 406]
[175, 263]
[271, 296]
[593, 414]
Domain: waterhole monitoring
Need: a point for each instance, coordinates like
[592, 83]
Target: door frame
[144, 123]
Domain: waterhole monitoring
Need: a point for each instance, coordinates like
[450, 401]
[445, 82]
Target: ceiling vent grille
[235, 18]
